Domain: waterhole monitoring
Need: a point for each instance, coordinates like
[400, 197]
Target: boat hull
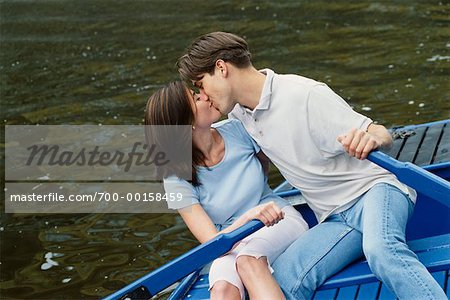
[428, 231]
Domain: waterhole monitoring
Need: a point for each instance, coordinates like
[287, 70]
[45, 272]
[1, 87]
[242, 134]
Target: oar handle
[417, 178]
[157, 280]
[243, 231]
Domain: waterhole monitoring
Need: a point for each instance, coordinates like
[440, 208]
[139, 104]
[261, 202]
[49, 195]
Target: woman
[228, 189]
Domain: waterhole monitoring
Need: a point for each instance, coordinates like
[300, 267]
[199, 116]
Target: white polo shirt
[296, 124]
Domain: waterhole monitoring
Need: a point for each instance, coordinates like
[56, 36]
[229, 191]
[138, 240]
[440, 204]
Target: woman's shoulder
[231, 126]
[227, 123]
[174, 183]
[234, 130]
[185, 192]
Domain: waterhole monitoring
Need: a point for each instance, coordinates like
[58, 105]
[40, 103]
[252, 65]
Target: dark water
[96, 62]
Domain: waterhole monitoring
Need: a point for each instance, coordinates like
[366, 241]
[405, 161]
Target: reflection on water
[85, 255]
[96, 62]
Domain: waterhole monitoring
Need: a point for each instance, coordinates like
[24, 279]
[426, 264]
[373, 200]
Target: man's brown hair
[203, 53]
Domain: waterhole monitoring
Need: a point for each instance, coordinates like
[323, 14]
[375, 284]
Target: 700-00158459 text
[96, 196]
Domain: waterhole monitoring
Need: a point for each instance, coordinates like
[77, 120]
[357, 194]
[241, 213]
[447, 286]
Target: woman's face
[205, 113]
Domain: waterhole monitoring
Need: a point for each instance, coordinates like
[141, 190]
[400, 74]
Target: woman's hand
[201, 226]
[268, 213]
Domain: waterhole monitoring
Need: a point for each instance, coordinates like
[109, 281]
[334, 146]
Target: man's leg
[316, 255]
[385, 214]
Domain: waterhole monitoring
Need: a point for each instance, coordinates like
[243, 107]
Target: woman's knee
[249, 265]
[224, 290]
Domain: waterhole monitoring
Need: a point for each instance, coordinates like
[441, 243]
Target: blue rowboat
[420, 157]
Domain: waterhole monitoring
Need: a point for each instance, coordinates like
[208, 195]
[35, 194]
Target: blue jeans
[374, 227]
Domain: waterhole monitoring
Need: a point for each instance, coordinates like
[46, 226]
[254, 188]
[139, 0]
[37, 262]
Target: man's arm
[359, 143]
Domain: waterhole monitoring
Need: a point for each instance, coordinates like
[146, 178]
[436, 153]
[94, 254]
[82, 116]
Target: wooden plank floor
[422, 144]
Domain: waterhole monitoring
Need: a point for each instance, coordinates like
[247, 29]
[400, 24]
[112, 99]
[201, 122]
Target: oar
[417, 178]
[157, 280]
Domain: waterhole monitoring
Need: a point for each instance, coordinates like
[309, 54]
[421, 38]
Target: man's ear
[222, 67]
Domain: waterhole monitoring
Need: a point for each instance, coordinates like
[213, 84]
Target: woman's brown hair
[171, 105]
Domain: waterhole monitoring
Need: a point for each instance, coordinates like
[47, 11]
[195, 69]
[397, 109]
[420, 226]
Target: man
[319, 144]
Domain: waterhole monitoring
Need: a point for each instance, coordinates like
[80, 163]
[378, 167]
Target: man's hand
[359, 143]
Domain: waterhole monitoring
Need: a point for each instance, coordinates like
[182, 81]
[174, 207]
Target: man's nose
[202, 96]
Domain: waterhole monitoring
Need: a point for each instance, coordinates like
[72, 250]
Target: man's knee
[379, 252]
[373, 249]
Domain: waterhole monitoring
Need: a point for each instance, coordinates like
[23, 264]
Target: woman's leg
[257, 278]
[262, 248]
[224, 281]
[223, 290]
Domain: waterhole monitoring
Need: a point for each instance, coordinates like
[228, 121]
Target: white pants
[267, 242]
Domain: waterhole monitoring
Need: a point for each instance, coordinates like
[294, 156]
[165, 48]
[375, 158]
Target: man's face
[218, 91]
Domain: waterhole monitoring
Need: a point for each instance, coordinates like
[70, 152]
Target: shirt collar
[264, 101]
